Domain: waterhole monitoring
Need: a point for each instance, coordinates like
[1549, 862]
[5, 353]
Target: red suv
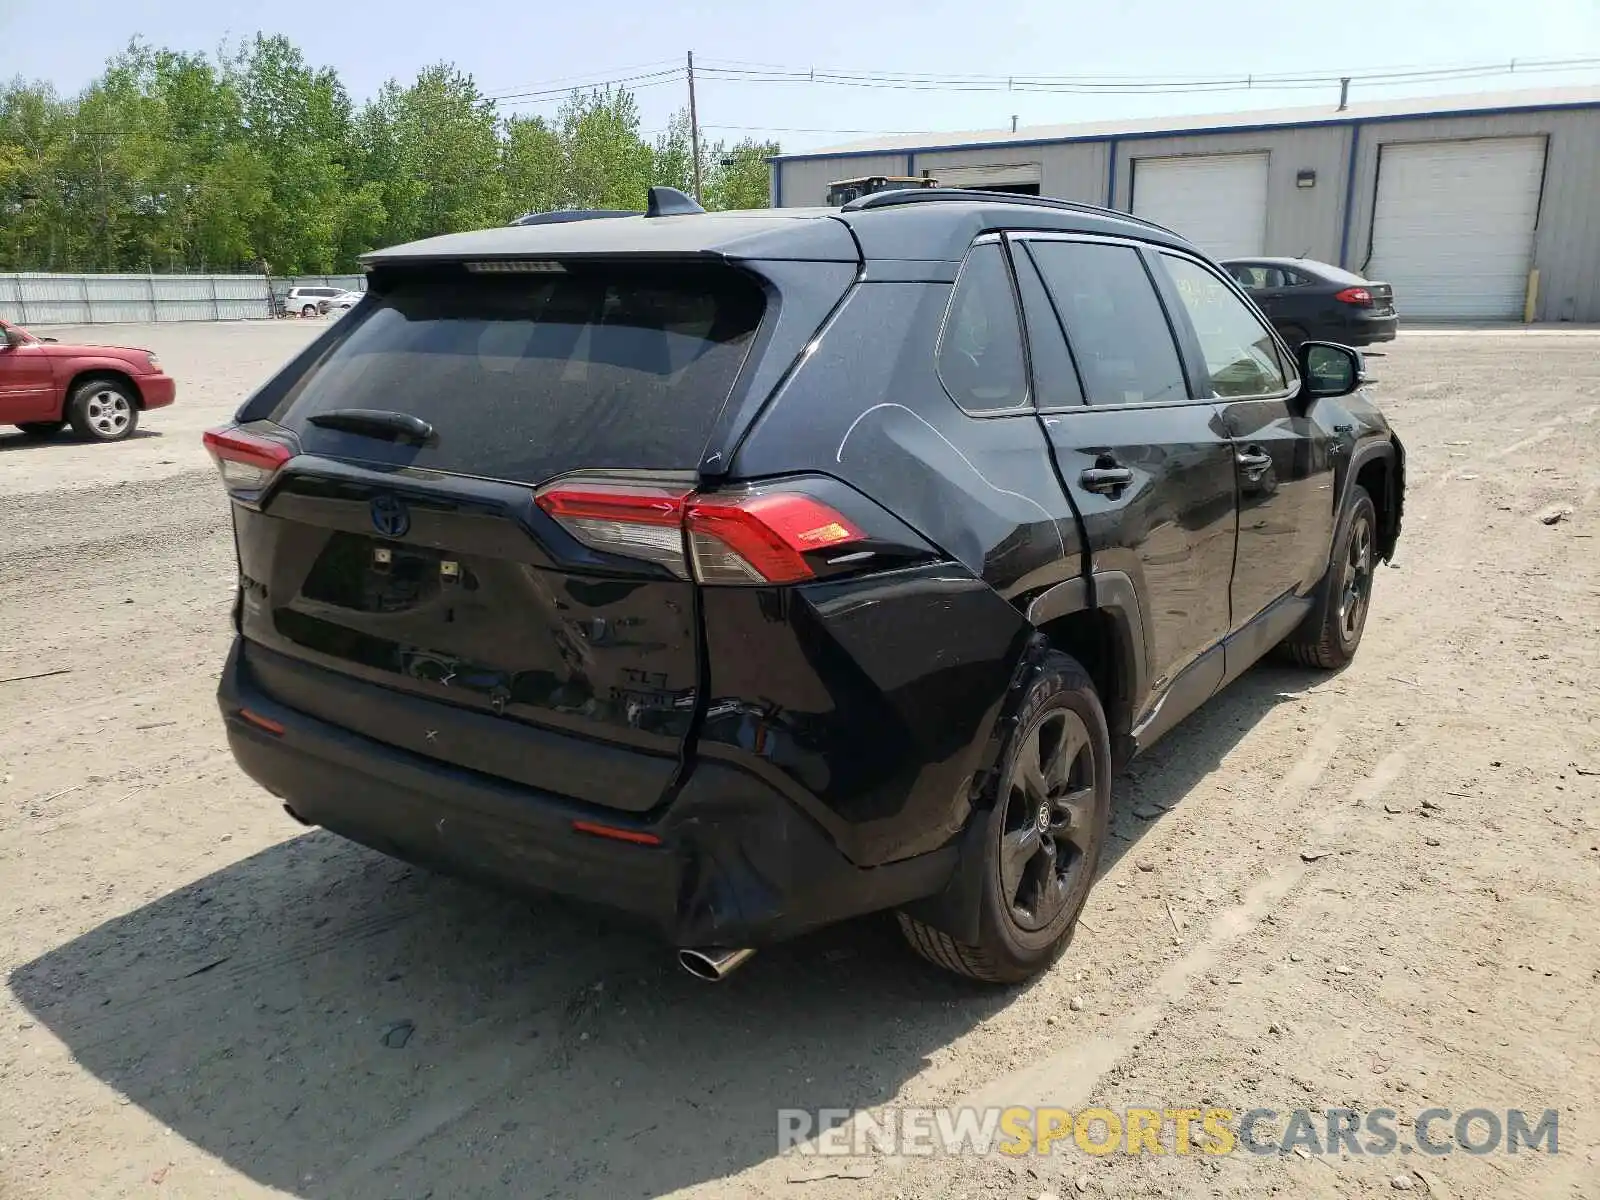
[101, 390]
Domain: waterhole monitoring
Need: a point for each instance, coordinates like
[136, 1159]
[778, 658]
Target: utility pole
[1344, 93]
[694, 132]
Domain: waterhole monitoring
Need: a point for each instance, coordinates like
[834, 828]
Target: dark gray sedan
[1310, 301]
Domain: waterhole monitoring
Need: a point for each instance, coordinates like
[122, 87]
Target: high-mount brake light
[1359, 296]
[517, 266]
[753, 538]
[246, 462]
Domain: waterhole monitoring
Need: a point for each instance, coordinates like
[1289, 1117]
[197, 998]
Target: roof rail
[562, 215]
[969, 195]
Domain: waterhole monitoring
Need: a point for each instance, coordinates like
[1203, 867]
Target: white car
[340, 304]
[309, 301]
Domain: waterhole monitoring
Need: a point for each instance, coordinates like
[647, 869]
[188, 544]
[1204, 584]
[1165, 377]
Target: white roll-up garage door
[1217, 201]
[1452, 229]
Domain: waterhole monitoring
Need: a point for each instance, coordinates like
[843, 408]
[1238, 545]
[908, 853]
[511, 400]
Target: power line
[1111, 85]
[535, 96]
[583, 79]
[808, 129]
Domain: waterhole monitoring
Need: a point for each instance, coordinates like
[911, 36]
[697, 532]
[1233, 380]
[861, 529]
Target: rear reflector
[247, 462]
[637, 836]
[751, 538]
[260, 722]
[1355, 295]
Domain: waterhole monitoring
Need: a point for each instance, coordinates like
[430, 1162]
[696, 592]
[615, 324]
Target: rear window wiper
[376, 423]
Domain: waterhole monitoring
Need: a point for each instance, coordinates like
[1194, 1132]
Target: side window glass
[980, 346]
[1055, 379]
[1241, 354]
[1114, 321]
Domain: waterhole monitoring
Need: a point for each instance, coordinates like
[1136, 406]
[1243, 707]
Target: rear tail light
[246, 461]
[762, 539]
[753, 538]
[1355, 295]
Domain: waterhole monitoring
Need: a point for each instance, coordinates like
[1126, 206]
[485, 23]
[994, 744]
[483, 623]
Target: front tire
[103, 410]
[1043, 831]
[1331, 634]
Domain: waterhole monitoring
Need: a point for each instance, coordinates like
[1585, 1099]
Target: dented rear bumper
[733, 862]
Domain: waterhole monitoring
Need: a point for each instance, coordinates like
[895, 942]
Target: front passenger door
[1284, 456]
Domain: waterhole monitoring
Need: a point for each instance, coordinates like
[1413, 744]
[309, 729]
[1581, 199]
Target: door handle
[1106, 479]
[1254, 461]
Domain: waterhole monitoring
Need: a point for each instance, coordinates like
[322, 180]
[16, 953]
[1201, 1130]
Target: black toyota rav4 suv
[752, 571]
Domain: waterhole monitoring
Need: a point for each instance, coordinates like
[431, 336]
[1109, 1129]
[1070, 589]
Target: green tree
[607, 163]
[533, 166]
[741, 177]
[446, 136]
[172, 161]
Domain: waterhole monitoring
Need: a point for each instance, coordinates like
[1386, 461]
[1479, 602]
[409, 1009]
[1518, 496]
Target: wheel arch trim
[1113, 593]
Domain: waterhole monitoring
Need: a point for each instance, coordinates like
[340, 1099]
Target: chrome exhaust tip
[713, 965]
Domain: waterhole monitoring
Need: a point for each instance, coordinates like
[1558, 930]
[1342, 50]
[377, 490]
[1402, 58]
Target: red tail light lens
[1355, 295]
[247, 462]
[762, 538]
[757, 538]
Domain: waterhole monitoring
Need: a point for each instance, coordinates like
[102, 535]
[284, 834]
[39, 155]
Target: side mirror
[1330, 370]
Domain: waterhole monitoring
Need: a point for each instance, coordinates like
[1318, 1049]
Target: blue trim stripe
[777, 182]
[1349, 194]
[1577, 106]
[1111, 173]
[911, 162]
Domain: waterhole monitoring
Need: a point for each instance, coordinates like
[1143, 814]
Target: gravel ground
[1375, 889]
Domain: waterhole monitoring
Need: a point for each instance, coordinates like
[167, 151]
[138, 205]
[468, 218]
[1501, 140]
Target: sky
[515, 45]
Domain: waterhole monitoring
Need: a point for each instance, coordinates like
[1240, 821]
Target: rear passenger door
[1284, 454]
[1146, 459]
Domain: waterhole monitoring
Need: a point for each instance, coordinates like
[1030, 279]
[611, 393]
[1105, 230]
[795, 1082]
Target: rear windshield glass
[527, 376]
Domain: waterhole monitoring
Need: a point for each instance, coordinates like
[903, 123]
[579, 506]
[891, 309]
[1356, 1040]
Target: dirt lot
[203, 999]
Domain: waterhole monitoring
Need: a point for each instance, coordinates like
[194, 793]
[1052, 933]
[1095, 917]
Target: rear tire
[1043, 830]
[309, 310]
[1293, 335]
[103, 410]
[1331, 634]
[42, 429]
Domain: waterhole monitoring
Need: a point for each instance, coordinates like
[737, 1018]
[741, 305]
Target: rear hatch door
[423, 564]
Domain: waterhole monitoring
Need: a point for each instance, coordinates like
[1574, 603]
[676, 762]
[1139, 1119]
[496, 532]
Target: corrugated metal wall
[1303, 221]
[40, 299]
[1566, 247]
[1070, 170]
[806, 182]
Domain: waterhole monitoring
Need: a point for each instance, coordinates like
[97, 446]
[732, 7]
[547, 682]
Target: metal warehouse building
[1482, 207]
